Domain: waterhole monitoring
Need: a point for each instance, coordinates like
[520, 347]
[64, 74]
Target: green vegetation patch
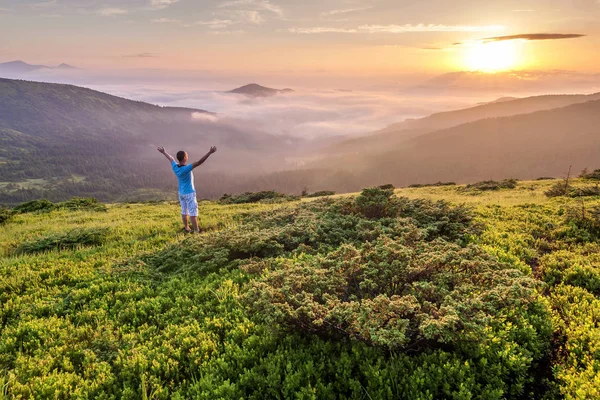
[74, 204]
[269, 196]
[438, 184]
[322, 193]
[491, 185]
[75, 238]
[5, 215]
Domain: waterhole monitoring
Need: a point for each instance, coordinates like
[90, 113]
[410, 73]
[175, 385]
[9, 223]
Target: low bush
[256, 197]
[394, 295]
[68, 240]
[586, 191]
[492, 185]
[387, 187]
[82, 203]
[42, 205]
[322, 193]
[5, 215]
[558, 189]
[594, 175]
[438, 184]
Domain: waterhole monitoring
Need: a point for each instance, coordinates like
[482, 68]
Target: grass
[521, 226]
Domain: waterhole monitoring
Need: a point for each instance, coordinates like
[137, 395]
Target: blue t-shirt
[185, 177]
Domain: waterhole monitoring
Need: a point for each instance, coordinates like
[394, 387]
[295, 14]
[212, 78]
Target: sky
[308, 37]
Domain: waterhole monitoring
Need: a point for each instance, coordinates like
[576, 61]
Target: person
[187, 191]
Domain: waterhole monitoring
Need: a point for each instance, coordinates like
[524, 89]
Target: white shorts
[189, 204]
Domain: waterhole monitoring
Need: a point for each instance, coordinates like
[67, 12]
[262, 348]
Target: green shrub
[63, 241]
[492, 185]
[34, 206]
[576, 313]
[376, 203]
[595, 175]
[586, 191]
[5, 215]
[256, 197]
[388, 186]
[322, 193]
[393, 295]
[82, 203]
[438, 184]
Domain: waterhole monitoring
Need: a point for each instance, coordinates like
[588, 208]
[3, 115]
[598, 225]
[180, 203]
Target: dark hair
[180, 155]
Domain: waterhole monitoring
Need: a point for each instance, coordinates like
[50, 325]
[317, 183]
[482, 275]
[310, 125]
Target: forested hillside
[80, 141]
[397, 134]
[544, 143]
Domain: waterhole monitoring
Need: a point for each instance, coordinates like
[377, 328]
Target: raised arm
[201, 161]
[164, 153]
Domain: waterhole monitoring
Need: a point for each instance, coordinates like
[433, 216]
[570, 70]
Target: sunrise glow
[493, 56]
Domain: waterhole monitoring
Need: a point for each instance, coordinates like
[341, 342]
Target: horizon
[366, 40]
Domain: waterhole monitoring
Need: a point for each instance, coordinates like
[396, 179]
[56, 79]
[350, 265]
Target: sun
[493, 56]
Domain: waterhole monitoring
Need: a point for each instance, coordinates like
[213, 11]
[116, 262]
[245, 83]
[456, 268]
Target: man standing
[187, 191]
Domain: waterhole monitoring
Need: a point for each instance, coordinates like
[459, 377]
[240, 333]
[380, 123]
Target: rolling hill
[51, 131]
[542, 143]
[255, 90]
[397, 134]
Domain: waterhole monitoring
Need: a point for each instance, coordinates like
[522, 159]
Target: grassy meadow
[426, 293]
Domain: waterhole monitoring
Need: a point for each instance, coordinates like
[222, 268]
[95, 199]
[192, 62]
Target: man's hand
[198, 163]
[162, 151]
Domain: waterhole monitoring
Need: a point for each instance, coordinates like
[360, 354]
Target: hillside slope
[51, 131]
[396, 134]
[370, 296]
[523, 146]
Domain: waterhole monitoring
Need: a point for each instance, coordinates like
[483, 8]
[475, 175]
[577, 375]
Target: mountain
[19, 67]
[66, 67]
[513, 81]
[396, 134]
[500, 100]
[255, 90]
[52, 132]
[542, 143]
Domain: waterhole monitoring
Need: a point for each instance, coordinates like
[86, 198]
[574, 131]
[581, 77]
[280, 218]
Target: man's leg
[193, 208]
[184, 218]
[194, 223]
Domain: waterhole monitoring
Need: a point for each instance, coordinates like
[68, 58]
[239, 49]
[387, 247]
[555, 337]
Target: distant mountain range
[513, 81]
[522, 138]
[395, 135]
[20, 67]
[255, 90]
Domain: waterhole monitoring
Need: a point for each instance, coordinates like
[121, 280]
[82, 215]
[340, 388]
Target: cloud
[198, 116]
[321, 29]
[165, 21]
[142, 55]
[212, 24]
[245, 16]
[534, 36]
[161, 4]
[111, 11]
[43, 4]
[428, 28]
[399, 29]
[255, 5]
[253, 12]
[345, 11]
